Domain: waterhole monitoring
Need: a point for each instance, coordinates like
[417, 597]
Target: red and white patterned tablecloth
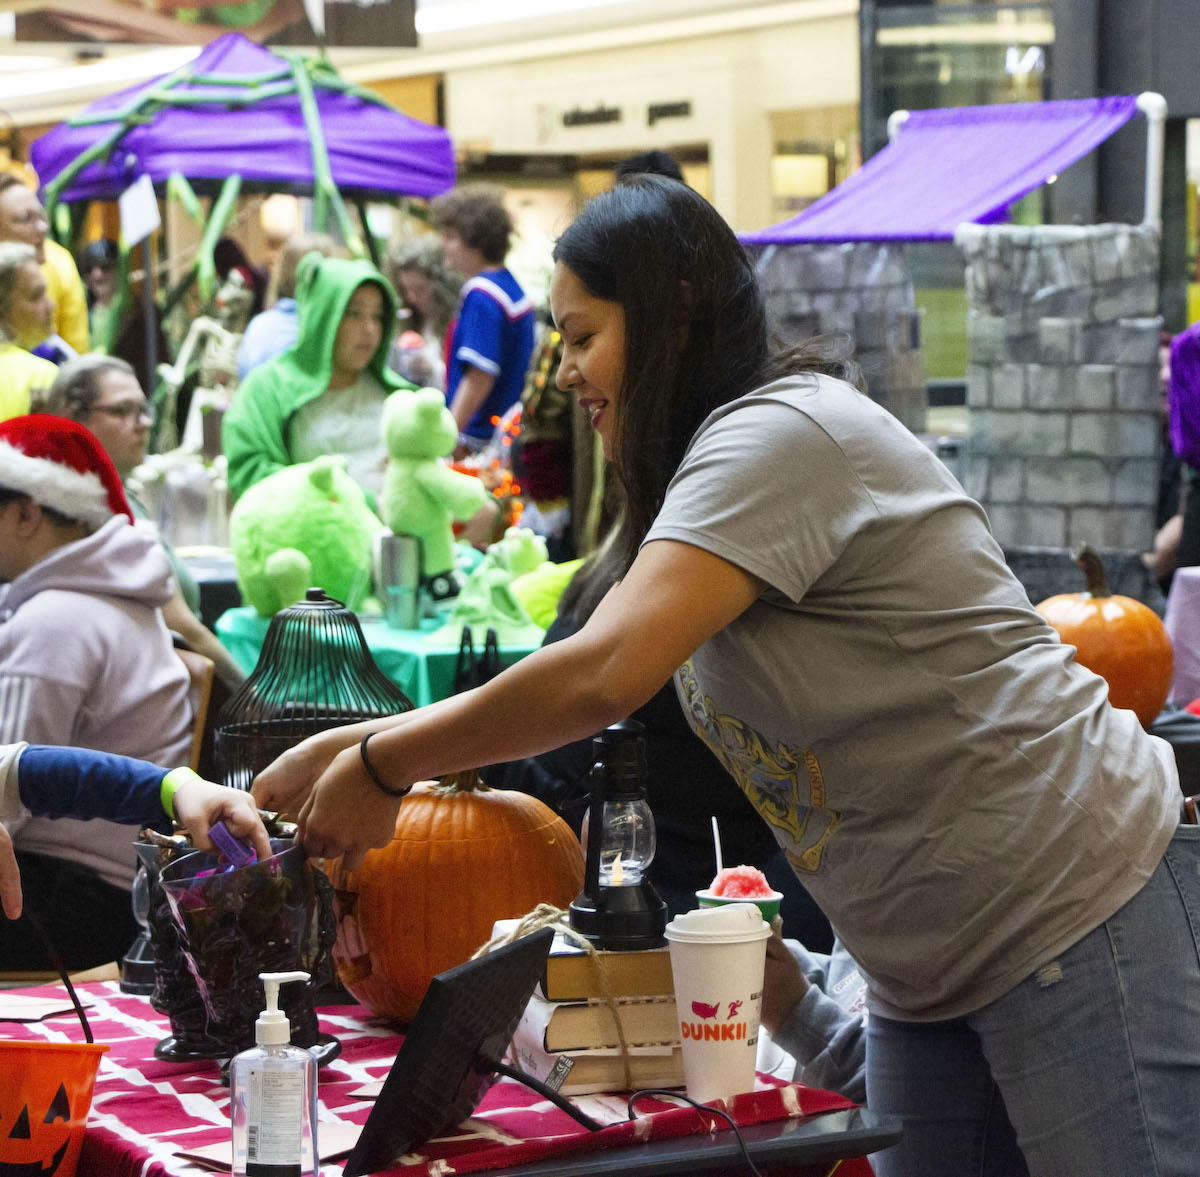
[145, 1111]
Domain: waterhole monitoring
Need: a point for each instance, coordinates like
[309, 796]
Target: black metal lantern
[315, 672]
[619, 909]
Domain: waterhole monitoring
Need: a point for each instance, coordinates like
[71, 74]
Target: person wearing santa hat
[85, 660]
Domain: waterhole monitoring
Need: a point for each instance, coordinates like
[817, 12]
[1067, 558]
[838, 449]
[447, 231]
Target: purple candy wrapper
[234, 849]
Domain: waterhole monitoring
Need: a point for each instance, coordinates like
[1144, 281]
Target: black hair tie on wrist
[376, 779]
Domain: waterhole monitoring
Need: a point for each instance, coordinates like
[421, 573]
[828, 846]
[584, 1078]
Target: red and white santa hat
[60, 464]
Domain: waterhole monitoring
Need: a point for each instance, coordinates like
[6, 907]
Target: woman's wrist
[375, 775]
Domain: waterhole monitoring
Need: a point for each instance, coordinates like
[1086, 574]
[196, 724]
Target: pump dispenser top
[272, 1027]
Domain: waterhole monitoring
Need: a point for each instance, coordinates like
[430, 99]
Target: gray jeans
[1094, 1060]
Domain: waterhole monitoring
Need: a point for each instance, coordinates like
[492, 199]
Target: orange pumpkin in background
[463, 856]
[1116, 637]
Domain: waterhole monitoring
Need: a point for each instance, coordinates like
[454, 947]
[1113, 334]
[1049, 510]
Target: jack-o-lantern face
[46, 1149]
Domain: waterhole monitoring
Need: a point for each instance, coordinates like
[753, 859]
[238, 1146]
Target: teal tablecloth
[420, 665]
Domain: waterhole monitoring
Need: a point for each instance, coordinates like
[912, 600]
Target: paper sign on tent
[139, 211]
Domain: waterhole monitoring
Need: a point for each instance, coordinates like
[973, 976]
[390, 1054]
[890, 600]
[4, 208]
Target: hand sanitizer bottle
[273, 1097]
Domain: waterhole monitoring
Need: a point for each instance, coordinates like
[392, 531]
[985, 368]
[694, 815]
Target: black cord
[700, 1107]
[545, 1092]
[56, 961]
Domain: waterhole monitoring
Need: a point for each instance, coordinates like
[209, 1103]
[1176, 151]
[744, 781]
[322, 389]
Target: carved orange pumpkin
[1116, 637]
[45, 1094]
[463, 857]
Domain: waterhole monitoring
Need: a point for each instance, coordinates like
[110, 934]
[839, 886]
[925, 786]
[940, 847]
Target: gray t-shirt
[345, 421]
[955, 792]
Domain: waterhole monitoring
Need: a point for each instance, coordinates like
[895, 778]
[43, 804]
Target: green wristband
[170, 783]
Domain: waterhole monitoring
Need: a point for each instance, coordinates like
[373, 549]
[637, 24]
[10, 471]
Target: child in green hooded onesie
[323, 395]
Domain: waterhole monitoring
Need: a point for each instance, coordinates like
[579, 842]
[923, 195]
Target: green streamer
[62, 222]
[178, 188]
[116, 311]
[206, 268]
[322, 178]
[325, 191]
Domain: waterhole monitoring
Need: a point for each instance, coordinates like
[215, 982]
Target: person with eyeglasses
[102, 393]
[25, 314]
[24, 220]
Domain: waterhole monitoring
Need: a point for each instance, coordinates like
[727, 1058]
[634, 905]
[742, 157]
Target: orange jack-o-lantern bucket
[45, 1094]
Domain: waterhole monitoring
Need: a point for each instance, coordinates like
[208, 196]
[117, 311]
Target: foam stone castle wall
[861, 291]
[1064, 407]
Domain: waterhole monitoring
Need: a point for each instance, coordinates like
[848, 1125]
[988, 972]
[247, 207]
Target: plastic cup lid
[731, 923]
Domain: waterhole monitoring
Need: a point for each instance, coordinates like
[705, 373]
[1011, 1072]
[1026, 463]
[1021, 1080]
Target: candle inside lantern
[628, 842]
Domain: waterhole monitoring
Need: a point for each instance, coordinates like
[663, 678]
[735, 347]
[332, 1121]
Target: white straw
[717, 842]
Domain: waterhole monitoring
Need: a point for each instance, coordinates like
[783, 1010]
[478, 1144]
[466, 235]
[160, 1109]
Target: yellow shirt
[66, 288]
[21, 374]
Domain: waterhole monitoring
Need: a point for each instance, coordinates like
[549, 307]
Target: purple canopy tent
[947, 167]
[239, 116]
[238, 112]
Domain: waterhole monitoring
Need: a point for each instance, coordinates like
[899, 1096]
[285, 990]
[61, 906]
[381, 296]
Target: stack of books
[568, 1037]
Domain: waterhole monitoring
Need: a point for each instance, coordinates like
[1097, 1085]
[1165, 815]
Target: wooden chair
[200, 670]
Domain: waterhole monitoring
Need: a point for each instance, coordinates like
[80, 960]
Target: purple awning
[945, 167]
[372, 148]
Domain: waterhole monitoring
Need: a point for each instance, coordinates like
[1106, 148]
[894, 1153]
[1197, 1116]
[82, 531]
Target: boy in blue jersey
[491, 338]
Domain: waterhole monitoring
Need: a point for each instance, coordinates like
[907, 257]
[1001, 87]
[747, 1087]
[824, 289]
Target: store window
[943, 54]
[815, 149]
[962, 55]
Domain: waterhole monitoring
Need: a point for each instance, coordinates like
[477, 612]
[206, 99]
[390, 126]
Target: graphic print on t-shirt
[790, 801]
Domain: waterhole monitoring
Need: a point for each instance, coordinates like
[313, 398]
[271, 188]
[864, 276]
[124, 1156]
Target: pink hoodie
[86, 660]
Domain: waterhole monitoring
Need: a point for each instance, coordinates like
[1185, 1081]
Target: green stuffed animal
[421, 495]
[488, 600]
[304, 526]
[519, 551]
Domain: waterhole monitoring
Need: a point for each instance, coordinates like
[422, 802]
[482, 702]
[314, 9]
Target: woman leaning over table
[998, 848]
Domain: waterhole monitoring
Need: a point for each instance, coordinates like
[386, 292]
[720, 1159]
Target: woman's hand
[199, 805]
[10, 877]
[784, 982]
[346, 813]
[284, 785]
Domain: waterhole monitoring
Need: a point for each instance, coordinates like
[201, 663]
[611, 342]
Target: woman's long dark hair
[695, 328]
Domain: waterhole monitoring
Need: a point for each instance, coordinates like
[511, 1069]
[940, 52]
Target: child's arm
[73, 782]
[822, 1030]
[76, 782]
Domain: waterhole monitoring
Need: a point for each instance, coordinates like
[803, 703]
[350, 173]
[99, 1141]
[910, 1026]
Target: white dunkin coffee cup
[717, 958]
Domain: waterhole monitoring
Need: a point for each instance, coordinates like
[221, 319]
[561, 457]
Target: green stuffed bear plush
[487, 600]
[304, 526]
[421, 495]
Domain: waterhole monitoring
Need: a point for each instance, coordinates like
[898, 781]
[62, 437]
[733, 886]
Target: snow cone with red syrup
[742, 884]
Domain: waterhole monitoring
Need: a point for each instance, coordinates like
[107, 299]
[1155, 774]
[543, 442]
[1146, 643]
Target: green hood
[324, 287]
[255, 431]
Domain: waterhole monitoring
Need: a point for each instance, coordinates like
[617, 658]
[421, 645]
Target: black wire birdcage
[315, 672]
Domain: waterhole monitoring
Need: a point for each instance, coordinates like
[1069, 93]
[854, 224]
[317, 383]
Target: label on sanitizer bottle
[274, 1116]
